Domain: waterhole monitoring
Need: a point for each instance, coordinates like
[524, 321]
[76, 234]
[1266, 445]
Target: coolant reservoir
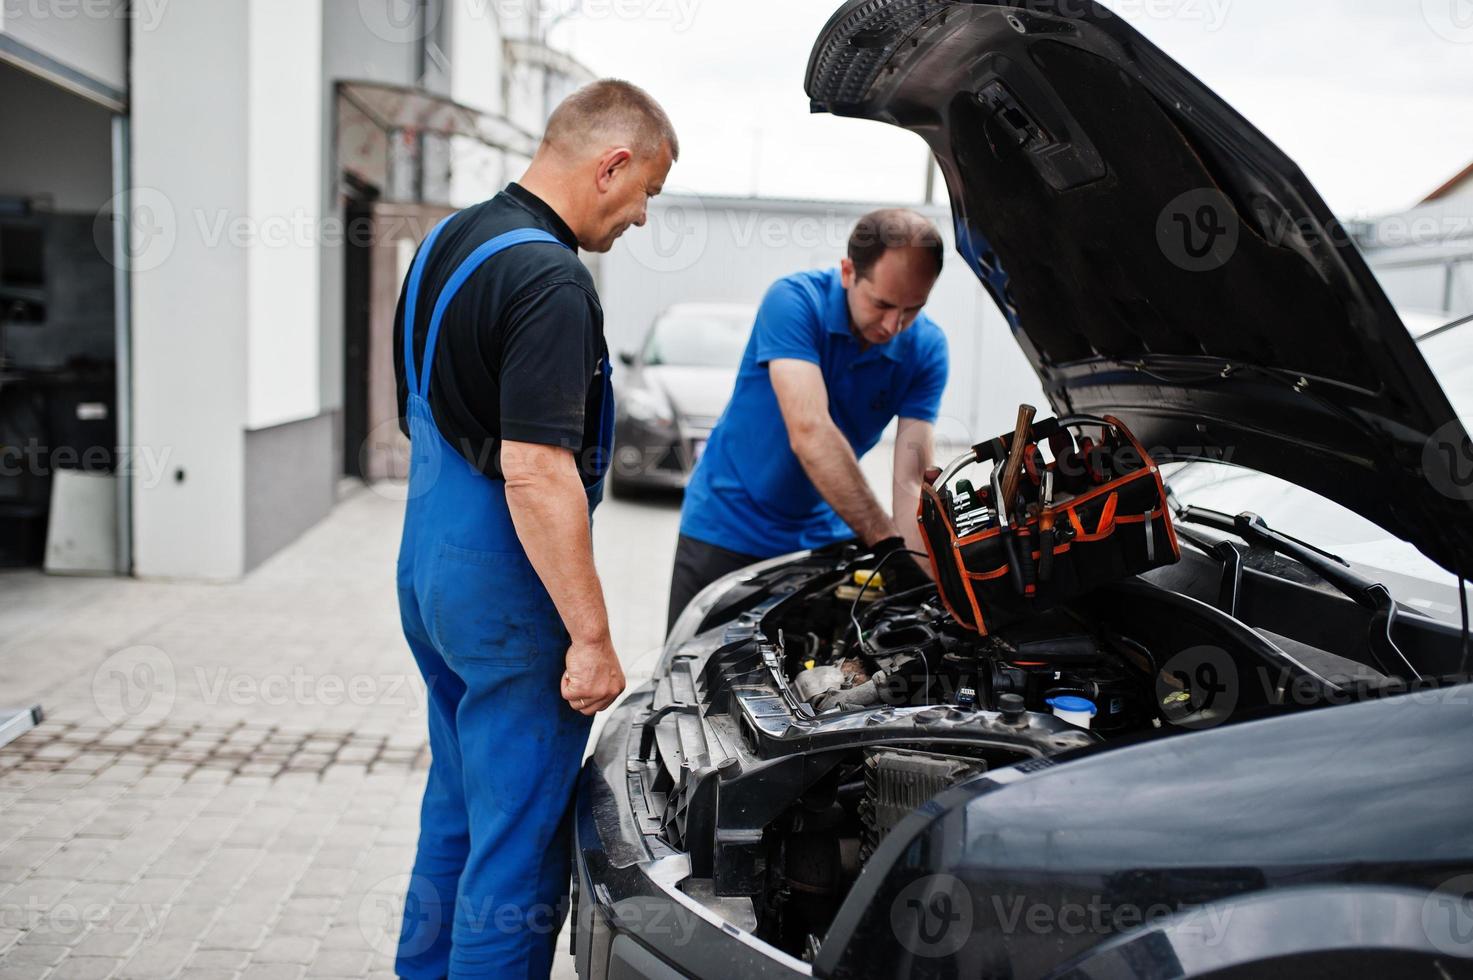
[1076, 711]
[866, 584]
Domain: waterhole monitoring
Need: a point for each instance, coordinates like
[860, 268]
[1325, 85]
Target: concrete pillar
[226, 215]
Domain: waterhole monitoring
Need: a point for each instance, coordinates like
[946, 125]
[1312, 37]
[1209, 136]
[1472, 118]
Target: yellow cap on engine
[875, 579]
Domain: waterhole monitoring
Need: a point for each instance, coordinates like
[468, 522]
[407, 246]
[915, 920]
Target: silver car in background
[673, 390]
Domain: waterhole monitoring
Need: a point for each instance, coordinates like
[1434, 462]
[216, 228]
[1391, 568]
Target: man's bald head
[608, 113]
[888, 228]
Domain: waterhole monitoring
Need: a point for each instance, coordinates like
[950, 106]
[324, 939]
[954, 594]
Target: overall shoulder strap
[411, 301]
[483, 252]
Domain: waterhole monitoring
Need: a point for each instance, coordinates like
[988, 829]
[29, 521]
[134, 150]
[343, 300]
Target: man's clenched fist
[592, 678]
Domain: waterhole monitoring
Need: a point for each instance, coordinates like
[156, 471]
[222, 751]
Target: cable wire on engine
[859, 630]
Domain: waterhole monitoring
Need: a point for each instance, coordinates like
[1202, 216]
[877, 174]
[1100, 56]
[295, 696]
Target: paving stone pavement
[228, 779]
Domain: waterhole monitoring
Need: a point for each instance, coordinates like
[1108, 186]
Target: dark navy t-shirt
[520, 345]
[749, 493]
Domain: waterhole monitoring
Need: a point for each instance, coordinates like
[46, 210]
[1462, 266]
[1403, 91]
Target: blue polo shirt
[749, 493]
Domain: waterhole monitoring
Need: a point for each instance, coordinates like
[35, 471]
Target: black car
[673, 391]
[1279, 778]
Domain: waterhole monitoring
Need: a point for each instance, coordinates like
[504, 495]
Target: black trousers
[697, 565]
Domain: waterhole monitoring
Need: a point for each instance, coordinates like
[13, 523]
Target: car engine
[851, 645]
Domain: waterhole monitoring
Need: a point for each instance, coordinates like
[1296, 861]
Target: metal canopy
[402, 108]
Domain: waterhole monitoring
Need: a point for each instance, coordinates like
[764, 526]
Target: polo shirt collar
[543, 211]
[836, 320]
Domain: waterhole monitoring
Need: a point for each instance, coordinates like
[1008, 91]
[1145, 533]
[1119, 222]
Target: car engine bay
[816, 711]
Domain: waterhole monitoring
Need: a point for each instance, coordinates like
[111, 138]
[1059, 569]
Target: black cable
[880, 604]
[854, 609]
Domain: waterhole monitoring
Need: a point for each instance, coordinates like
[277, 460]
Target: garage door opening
[58, 328]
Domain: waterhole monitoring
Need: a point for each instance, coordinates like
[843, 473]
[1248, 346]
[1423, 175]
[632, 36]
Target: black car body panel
[1060, 859]
[1158, 258]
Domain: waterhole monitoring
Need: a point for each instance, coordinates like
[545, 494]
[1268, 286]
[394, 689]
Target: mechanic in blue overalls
[504, 383]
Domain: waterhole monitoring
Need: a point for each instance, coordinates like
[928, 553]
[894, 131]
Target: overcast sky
[1373, 98]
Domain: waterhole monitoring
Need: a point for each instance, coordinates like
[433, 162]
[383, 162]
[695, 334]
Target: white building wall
[1424, 257]
[284, 160]
[372, 46]
[731, 249]
[90, 38]
[476, 64]
[189, 98]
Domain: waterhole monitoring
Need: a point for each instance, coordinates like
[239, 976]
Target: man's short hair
[611, 111]
[879, 231]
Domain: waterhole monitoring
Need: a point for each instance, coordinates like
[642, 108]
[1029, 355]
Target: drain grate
[240, 749]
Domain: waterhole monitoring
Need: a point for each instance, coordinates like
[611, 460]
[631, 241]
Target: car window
[699, 339]
[1412, 577]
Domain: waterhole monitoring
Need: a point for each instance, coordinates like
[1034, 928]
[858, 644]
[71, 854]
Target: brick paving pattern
[228, 780]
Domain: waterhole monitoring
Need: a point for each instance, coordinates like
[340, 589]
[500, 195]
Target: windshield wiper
[1445, 328]
[1371, 596]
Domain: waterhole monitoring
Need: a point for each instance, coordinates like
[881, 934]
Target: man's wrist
[591, 637]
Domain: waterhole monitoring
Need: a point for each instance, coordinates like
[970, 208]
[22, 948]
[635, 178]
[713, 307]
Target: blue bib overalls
[488, 893]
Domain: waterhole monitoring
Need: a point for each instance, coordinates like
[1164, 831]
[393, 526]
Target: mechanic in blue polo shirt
[834, 356]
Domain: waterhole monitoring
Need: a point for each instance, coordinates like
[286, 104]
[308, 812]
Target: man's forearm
[914, 454]
[832, 466]
[907, 498]
[550, 512]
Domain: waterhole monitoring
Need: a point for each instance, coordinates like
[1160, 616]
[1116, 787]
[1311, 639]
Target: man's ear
[846, 272]
[610, 164]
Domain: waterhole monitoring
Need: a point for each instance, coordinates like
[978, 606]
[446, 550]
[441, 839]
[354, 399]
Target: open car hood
[1157, 257]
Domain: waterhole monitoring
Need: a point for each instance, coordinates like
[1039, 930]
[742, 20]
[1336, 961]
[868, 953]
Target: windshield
[707, 339]
[1413, 578]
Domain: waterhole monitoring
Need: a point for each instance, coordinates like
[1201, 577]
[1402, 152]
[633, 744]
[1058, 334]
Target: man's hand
[593, 677]
[903, 571]
[550, 511]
